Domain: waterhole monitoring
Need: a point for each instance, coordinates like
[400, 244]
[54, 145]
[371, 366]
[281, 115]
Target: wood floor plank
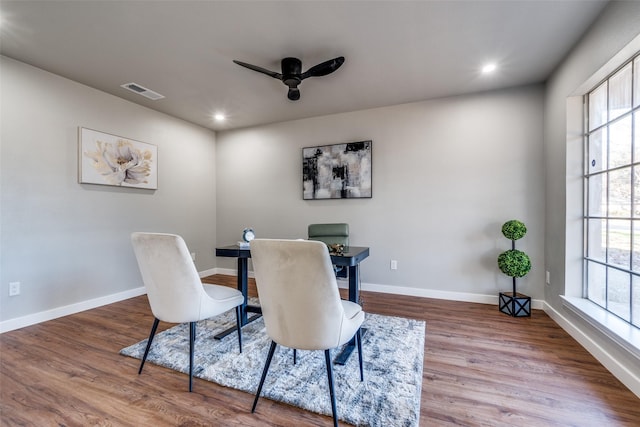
[481, 368]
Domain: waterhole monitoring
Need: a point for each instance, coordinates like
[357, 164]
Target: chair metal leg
[295, 356]
[239, 326]
[327, 358]
[272, 349]
[359, 343]
[192, 339]
[151, 335]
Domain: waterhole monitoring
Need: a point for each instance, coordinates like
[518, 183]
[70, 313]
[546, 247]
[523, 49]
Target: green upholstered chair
[330, 234]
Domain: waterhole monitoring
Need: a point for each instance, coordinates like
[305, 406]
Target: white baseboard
[230, 272]
[404, 290]
[437, 294]
[626, 376]
[43, 316]
[209, 272]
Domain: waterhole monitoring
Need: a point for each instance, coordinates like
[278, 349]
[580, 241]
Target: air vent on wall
[141, 90]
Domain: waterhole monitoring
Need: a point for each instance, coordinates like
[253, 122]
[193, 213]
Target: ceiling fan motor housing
[291, 71]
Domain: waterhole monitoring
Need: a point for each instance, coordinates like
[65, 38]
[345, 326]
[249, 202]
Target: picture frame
[106, 159]
[337, 171]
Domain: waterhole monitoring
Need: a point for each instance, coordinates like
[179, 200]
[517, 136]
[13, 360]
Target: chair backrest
[329, 233]
[173, 285]
[298, 293]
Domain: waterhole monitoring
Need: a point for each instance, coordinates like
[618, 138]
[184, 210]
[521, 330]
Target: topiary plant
[514, 263]
[514, 230]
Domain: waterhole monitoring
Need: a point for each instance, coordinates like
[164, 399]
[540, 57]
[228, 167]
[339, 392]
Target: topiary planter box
[520, 306]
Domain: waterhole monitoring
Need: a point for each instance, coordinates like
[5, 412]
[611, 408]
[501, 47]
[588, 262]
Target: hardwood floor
[481, 368]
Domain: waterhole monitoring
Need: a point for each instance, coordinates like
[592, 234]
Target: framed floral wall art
[107, 159]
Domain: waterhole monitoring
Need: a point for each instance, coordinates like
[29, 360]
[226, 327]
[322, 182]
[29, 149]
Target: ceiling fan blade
[260, 69]
[294, 94]
[324, 68]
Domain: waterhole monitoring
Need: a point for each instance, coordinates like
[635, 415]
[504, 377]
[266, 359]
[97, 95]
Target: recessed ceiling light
[489, 68]
[219, 117]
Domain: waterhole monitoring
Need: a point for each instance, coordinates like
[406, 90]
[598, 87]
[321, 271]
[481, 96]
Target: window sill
[612, 326]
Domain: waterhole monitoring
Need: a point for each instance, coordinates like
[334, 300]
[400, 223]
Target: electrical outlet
[394, 264]
[548, 278]
[14, 289]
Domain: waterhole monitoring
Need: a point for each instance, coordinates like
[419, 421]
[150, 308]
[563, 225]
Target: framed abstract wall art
[107, 159]
[338, 171]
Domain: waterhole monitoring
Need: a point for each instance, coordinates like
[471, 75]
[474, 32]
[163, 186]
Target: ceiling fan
[292, 74]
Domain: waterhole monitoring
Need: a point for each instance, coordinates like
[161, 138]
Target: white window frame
[601, 168]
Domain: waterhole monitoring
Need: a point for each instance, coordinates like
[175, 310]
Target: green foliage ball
[514, 229]
[514, 263]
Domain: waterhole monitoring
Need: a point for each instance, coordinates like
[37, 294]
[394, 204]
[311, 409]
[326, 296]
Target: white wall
[618, 25]
[447, 174]
[68, 243]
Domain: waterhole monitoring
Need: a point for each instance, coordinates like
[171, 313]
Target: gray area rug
[393, 352]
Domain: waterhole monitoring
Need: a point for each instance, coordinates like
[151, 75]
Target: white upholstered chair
[301, 304]
[174, 288]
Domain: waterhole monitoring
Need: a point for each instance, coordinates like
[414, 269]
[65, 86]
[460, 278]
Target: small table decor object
[247, 236]
[514, 263]
[336, 249]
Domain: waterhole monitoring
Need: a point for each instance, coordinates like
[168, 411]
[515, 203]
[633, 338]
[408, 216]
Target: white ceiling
[396, 51]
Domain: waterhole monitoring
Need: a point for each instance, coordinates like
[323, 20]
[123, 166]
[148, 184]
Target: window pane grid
[612, 193]
[613, 121]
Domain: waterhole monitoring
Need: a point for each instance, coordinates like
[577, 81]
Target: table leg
[354, 282]
[243, 286]
[233, 328]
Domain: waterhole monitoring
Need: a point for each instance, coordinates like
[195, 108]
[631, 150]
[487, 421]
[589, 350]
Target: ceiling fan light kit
[292, 74]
